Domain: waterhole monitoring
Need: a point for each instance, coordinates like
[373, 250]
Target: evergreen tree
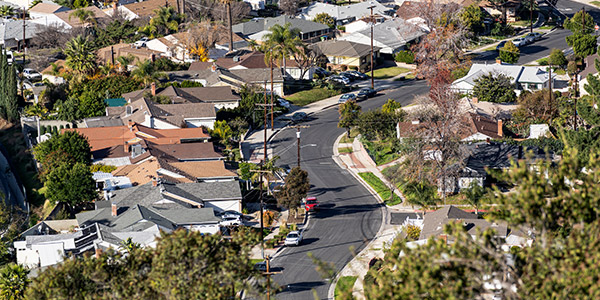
[3, 81]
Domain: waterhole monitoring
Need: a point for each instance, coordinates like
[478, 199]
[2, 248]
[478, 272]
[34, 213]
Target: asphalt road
[349, 217]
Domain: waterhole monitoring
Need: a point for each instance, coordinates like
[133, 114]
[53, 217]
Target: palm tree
[80, 56]
[146, 73]
[281, 42]
[7, 11]
[125, 61]
[165, 21]
[86, 17]
[420, 193]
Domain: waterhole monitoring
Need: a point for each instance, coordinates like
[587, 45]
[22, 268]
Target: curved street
[349, 217]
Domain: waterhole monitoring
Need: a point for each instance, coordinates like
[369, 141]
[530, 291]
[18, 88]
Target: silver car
[293, 238]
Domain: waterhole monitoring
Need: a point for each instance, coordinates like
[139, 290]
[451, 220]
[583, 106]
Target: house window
[533, 86]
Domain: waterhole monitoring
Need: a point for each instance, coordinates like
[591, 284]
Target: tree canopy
[492, 88]
[509, 53]
[349, 113]
[325, 18]
[184, 265]
[472, 18]
[295, 188]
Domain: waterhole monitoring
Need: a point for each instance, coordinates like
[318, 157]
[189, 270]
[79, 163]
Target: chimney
[498, 61]
[475, 100]
[152, 57]
[115, 7]
[154, 182]
[153, 87]
[126, 147]
[415, 122]
[500, 127]
[130, 124]
[113, 209]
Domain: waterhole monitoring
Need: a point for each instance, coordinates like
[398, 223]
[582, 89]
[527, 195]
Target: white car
[32, 74]
[520, 42]
[533, 36]
[283, 103]
[10, 57]
[231, 220]
[293, 238]
[141, 42]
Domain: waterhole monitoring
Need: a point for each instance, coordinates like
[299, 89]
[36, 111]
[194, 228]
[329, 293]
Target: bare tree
[305, 58]
[239, 10]
[288, 7]
[433, 147]
[442, 47]
[203, 33]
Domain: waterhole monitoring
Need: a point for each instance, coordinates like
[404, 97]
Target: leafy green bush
[102, 168]
[405, 56]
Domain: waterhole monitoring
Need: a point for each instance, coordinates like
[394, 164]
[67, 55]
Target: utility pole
[23, 48]
[372, 55]
[268, 273]
[229, 23]
[271, 63]
[531, 15]
[298, 138]
[262, 224]
[550, 81]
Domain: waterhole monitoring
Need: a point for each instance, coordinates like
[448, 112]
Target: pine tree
[12, 101]
[3, 80]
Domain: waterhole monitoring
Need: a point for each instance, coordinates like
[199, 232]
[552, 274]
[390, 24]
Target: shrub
[62, 127]
[293, 227]
[412, 232]
[557, 58]
[270, 244]
[407, 57]
[43, 130]
[68, 125]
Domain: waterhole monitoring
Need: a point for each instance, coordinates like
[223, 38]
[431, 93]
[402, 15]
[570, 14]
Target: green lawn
[543, 61]
[382, 152]
[390, 72]
[344, 286]
[380, 187]
[309, 96]
[348, 140]
[597, 3]
[345, 150]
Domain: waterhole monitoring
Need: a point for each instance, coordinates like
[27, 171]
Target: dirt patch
[292, 219]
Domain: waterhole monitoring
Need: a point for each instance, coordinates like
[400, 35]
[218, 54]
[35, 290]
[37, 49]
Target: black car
[359, 75]
[320, 72]
[350, 75]
[365, 93]
[299, 117]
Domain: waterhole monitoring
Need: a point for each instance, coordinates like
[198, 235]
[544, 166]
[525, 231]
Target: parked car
[500, 45]
[360, 75]
[520, 42]
[32, 74]
[311, 204]
[322, 72]
[299, 117]
[346, 97]
[261, 266]
[349, 75]
[294, 238]
[231, 220]
[283, 103]
[340, 79]
[533, 36]
[365, 93]
[141, 43]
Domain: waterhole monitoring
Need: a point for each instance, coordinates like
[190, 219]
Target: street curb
[331, 291]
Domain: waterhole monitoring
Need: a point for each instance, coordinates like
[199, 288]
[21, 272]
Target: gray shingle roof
[342, 12]
[13, 30]
[342, 48]
[258, 25]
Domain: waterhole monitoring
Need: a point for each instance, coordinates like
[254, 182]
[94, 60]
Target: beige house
[346, 53]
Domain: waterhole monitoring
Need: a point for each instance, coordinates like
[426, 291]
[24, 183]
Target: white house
[46, 10]
[522, 77]
[344, 14]
[172, 46]
[391, 36]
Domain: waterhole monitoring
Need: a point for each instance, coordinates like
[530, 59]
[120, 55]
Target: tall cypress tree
[3, 80]
[12, 100]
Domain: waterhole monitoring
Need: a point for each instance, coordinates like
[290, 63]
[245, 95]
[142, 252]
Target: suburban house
[108, 226]
[172, 46]
[235, 79]
[54, 71]
[484, 156]
[474, 128]
[254, 60]
[218, 195]
[164, 116]
[511, 7]
[143, 9]
[66, 20]
[310, 32]
[344, 14]
[346, 54]
[221, 47]
[11, 33]
[363, 23]
[522, 77]
[176, 171]
[256, 4]
[121, 145]
[218, 96]
[434, 222]
[45, 10]
[110, 54]
[390, 36]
